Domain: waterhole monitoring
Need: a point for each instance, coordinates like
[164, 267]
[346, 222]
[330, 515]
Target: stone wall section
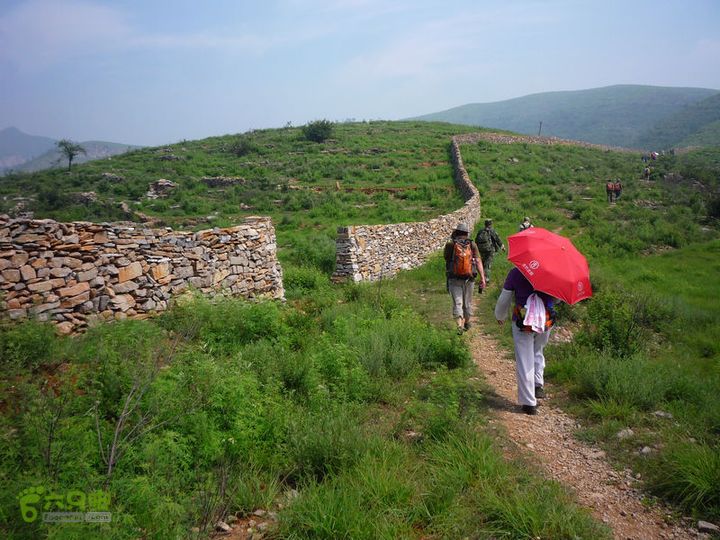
[75, 273]
[373, 252]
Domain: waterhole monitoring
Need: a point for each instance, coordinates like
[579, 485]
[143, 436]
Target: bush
[243, 146]
[318, 131]
[27, 346]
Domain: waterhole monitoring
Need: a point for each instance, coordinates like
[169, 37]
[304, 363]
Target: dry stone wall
[373, 252]
[75, 273]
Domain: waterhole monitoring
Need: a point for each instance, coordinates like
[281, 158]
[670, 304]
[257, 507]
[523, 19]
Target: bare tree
[70, 149]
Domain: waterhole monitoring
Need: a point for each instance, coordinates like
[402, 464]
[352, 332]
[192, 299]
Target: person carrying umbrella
[548, 269]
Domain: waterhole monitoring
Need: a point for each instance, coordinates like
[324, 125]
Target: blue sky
[154, 72]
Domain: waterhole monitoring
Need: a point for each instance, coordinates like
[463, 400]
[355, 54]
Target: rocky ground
[548, 439]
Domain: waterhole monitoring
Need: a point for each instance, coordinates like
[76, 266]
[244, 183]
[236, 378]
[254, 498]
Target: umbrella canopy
[551, 263]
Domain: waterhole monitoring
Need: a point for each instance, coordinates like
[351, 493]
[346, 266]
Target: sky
[156, 72]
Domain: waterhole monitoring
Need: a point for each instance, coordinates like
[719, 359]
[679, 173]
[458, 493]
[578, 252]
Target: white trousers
[529, 362]
[461, 291]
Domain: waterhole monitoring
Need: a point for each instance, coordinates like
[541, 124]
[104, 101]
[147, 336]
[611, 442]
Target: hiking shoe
[529, 409]
[460, 330]
[468, 326]
[539, 392]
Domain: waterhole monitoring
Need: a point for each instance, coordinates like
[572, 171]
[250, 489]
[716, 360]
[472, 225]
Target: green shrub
[27, 345]
[318, 131]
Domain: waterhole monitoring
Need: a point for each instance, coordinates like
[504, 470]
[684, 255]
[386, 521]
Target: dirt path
[612, 496]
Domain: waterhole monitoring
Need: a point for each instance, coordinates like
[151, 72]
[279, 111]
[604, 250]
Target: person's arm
[479, 264]
[502, 307]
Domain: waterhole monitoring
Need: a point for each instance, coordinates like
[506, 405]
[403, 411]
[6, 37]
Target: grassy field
[356, 407]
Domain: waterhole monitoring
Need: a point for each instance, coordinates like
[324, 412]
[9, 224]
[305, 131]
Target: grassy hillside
[376, 172]
[614, 115]
[694, 125]
[353, 411]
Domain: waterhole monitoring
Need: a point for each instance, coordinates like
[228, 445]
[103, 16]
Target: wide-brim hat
[462, 227]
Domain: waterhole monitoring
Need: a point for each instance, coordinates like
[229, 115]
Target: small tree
[70, 149]
[318, 131]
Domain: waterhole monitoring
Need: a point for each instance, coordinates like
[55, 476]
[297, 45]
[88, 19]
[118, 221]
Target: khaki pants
[461, 291]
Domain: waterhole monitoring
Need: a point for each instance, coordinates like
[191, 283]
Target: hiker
[646, 173]
[462, 265]
[617, 188]
[610, 191]
[525, 224]
[488, 243]
[529, 341]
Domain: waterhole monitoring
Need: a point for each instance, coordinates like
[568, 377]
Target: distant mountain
[94, 149]
[695, 124]
[26, 153]
[17, 147]
[621, 115]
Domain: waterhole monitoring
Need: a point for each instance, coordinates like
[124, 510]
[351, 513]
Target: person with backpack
[533, 315]
[526, 224]
[462, 265]
[610, 191]
[488, 243]
[617, 188]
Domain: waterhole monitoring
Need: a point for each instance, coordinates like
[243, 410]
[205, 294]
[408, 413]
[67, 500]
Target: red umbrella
[551, 263]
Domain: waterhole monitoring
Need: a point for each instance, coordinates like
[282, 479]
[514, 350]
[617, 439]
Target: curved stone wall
[373, 252]
[74, 273]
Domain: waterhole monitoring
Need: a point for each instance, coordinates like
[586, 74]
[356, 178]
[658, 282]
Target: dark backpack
[484, 241]
[461, 263]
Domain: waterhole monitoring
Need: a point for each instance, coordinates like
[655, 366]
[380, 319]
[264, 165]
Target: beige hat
[462, 227]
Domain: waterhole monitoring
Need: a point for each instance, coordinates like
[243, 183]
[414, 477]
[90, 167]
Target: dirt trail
[613, 496]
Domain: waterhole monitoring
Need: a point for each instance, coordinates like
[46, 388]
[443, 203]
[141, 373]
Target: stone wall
[75, 273]
[373, 252]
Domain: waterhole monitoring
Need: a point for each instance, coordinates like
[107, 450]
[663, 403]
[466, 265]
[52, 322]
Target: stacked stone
[222, 181]
[75, 273]
[370, 253]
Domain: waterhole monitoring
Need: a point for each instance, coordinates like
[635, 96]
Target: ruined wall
[373, 252]
[74, 273]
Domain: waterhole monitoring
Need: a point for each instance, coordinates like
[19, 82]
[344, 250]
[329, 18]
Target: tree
[70, 149]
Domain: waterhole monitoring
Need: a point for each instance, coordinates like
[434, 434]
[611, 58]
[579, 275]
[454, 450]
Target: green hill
[693, 125]
[615, 115]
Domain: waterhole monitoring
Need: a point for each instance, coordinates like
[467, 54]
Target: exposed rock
[625, 433]
[160, 188]
[707, 527]
[222, 527]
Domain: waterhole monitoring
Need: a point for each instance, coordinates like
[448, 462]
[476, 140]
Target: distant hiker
[462, 265]
[654, 155]
[529, 343]
[488, 243]
[610, 190]
[644, 158]
[617, 188]
[525, 224]
[646, 173]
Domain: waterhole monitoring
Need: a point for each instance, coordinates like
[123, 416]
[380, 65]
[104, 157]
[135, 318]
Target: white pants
[529, 362]
[461, 291]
